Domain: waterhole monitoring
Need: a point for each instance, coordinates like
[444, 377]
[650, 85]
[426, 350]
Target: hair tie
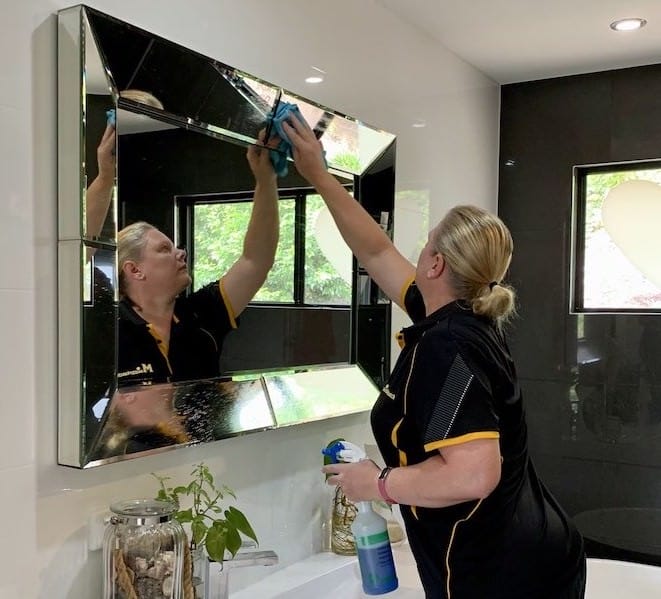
[493, 284]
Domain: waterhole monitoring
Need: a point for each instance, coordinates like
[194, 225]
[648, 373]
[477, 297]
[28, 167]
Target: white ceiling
[524, 40]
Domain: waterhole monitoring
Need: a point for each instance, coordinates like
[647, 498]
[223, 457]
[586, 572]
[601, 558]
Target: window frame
[577, 234]
[185, 234]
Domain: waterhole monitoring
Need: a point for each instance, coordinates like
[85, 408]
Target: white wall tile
[17, 533]
[17, 379]
[16, 235]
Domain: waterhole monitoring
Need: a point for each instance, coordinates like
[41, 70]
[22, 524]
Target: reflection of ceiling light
[419, 124]
[317, 76]
[628, 24]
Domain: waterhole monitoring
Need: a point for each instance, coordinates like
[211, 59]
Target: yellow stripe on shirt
[461, 439]
[452, 537]
[163, 347]
[228, 304]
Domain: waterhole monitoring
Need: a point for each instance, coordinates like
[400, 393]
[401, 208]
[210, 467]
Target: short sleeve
[447, 401]
[413, 302]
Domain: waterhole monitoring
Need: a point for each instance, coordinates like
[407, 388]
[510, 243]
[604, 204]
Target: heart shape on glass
[631, 214]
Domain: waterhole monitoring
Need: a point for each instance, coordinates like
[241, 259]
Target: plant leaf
[229, 491]
[199, 529]
[216, 541]
[184, 516]
[240, 522]
[233, 539]
[208, 528]
[206, 474]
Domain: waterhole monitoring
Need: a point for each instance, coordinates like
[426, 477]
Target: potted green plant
[214, 530]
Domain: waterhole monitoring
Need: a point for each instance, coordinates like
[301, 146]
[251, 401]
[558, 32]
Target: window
[616, 247]
[312, 262]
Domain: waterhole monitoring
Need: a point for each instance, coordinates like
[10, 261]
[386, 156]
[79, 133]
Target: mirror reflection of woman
[450, 423]
[139, 419]
[165, 336]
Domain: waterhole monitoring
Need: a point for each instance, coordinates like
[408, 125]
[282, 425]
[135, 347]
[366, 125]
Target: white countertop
[327, 575]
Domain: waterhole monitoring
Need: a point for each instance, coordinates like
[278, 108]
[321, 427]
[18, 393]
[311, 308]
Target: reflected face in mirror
[150, 266]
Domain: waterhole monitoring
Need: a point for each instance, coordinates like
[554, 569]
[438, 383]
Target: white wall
[379, 70]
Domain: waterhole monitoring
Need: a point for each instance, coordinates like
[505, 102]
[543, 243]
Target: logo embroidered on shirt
[142, 369]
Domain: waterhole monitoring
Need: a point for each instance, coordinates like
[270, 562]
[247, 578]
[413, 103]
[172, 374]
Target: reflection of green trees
[311, 400]
[218, 242]
[348, 161]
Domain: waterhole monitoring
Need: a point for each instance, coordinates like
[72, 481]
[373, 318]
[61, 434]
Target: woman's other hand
[259, 160]
[105, 154]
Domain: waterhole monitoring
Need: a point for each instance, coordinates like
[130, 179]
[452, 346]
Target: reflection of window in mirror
[327, 258]
[616, 242]
[412, 221]
[312, 263]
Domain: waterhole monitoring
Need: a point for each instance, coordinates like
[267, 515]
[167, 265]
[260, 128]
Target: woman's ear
[437, 267]
[132, 271]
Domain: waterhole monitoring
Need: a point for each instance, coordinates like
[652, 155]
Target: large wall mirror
[165, 130]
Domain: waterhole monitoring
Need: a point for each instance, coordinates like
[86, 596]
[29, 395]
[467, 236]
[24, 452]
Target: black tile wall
[594, 406]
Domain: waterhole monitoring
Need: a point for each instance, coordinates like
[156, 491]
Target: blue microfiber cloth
[279, 156]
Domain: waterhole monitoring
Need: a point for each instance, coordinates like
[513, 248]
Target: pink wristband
[381, 482]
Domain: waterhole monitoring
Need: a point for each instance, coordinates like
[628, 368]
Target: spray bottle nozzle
[343, 451]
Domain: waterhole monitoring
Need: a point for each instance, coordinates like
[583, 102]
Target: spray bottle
[370, 531]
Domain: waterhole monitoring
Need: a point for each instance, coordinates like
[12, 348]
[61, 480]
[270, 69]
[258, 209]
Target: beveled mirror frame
[368, 364]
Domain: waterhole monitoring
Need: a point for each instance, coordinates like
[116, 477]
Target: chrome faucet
[218, 579]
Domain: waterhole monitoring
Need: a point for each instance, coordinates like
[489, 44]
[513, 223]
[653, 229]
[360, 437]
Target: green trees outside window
[218, 238]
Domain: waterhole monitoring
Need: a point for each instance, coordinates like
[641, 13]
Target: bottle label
[371, 540]
[377, 567]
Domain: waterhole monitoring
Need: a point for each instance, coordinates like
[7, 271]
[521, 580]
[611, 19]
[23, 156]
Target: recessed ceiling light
[419, 124]
[630, 24]
[317, 75]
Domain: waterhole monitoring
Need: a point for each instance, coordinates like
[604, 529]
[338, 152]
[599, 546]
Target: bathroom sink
[330, 576]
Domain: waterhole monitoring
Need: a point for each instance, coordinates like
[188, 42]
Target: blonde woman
[450, 423]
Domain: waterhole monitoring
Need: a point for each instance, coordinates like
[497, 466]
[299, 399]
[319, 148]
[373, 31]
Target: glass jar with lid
[143, 551]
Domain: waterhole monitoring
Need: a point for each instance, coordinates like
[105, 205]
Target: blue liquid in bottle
[377, 567]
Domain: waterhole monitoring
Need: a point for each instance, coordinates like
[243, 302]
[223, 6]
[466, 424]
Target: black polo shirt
[454, 382]
[199, 325]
